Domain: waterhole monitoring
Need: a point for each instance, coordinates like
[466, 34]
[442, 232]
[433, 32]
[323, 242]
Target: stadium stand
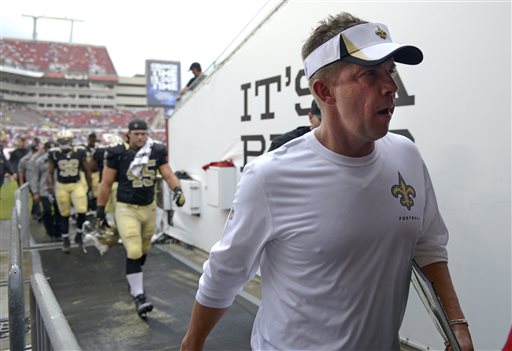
[58, 60]
[100, 119]
[45, 86]
[44, 124]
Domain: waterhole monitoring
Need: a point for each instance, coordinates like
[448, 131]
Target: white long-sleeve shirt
[334, 237]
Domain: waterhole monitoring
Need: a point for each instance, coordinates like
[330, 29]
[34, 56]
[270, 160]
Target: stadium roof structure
[56, 60]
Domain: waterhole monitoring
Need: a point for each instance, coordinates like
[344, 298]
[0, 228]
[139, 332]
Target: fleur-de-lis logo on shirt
[405, 192]
[381, 33]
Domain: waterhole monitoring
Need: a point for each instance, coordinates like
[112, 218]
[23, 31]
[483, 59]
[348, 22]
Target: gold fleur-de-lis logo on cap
[405, 191]
[381, 33]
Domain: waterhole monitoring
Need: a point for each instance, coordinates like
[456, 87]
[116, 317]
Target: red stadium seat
[58, 58]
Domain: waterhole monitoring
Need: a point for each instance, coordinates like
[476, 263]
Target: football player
[90, 150]
[66, 162]
[134, 165]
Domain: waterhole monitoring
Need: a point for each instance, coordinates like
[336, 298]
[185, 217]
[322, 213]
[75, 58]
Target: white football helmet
[65, 138]
[113, 140]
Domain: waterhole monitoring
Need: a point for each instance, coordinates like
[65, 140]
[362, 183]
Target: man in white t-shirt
[333, 219]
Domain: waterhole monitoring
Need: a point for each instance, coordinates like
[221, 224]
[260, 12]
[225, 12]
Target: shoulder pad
[157, 146]
[116, 149]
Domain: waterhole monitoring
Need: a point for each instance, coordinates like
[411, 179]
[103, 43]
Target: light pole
[35, 18]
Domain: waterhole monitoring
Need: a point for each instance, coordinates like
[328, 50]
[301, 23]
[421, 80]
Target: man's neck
[343, 144]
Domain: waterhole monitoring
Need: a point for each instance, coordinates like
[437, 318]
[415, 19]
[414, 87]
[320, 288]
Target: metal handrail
[15, 288]
[49, 325]
[50, 329]
[21, 200]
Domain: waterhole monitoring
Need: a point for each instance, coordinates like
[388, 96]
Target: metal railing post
[22, 201]
[15, 289]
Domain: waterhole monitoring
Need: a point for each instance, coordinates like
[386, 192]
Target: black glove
[90, 195]
[101, 217]
[178, 198]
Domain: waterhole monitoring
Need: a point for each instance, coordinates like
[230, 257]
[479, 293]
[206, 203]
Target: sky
[133, 31]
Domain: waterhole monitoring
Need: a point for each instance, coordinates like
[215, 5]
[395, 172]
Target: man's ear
[323, 91]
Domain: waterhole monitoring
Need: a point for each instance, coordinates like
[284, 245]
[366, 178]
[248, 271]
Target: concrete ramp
[93, 294]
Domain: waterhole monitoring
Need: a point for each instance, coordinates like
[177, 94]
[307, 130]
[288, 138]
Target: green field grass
[7, 199]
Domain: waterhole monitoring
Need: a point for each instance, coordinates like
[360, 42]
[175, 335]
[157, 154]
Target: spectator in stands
[315, 118]
[135, 167]
[41, 193]
[17, 154]
[194, 81]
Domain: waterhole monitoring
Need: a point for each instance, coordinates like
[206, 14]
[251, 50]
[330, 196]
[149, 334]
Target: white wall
[460, 120]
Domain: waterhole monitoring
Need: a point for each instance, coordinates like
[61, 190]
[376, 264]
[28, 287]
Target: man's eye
[370, 73]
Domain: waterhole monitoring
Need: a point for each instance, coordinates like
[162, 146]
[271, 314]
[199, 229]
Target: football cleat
[142, 306]
[101, 236]
[66, 245]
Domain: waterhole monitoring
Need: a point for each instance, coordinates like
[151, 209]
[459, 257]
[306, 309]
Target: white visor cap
[365, 44]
